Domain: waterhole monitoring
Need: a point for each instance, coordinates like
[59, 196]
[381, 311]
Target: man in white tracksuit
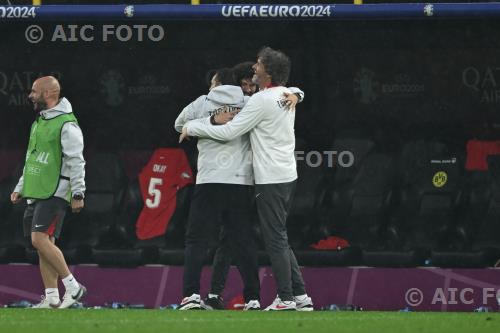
[272, 138]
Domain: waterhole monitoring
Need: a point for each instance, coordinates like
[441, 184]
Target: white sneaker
[71, 297]
[45, 304]
[304, 305]
[279, 305]
[192, 302]
[252, 305]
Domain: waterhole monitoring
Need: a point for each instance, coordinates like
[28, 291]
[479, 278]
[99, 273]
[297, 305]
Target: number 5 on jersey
[154, 192]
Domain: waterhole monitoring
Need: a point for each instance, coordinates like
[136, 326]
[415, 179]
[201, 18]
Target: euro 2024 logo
[366, 86]
[112, 87]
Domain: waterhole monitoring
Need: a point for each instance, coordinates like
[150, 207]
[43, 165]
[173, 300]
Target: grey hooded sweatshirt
[220, 162]
[73, 164]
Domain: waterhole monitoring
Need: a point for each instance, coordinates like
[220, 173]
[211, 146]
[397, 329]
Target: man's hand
[184, 135]
[223, 117]
[15, 197]
[77, 205]
[291, 100]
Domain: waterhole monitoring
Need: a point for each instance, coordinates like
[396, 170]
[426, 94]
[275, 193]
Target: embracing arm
[190, 112]
[242, 123]
[297, 92]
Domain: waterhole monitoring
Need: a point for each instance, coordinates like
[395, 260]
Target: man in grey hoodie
[53, 177]
[223, 192]
[223, 256]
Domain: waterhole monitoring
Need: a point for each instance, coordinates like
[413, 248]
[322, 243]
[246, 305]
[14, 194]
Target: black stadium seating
[12, 240]
[304, 220]
[414, 207]
[120, 250]
[335, 202]
[127, 250]
[92, 228]
[371, 197]
[475, 241]
[489, 225]
[429, 194]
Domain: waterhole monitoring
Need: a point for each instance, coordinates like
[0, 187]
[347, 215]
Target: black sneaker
[213, 303]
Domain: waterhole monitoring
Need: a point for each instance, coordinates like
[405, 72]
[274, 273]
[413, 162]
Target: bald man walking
[53, 177]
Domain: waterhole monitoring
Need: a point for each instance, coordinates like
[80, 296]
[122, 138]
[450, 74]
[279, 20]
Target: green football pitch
[138, 321]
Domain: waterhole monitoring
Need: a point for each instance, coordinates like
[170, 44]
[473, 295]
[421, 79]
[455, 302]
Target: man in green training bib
[53, 177]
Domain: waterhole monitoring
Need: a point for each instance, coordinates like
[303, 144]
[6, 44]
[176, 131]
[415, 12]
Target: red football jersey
[478, 152]
[167, 172]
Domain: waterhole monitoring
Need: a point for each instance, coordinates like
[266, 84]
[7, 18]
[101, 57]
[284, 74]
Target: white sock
[52, 294]
[212, 295]
[70, 283]
[301, 298]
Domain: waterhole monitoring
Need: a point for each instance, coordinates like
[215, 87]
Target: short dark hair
[208, 77]
[243, 70]
[224, 76]
[277, 65]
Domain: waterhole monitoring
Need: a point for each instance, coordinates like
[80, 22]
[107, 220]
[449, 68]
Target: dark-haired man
[243, 73]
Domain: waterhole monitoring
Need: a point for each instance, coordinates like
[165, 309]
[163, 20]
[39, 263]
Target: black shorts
[45, 216]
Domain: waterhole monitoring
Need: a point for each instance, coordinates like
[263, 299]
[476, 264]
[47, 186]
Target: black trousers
[273, 205]
[222, 262]
[232, 207]
[220, 268]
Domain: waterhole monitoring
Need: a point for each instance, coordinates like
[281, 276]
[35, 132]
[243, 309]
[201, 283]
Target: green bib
[42, 169]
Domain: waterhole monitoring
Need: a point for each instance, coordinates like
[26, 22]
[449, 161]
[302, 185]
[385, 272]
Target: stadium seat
[106, 185]
[477, 243]
[489, 226]
[127, 250]
[430, 175]
[121, 251]
[460, 251]
[333, 202]
[358, 211]
[172, 250]
[13, 244]
[359, 147]
[303, 220]
[372, 194]
[5, 204]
